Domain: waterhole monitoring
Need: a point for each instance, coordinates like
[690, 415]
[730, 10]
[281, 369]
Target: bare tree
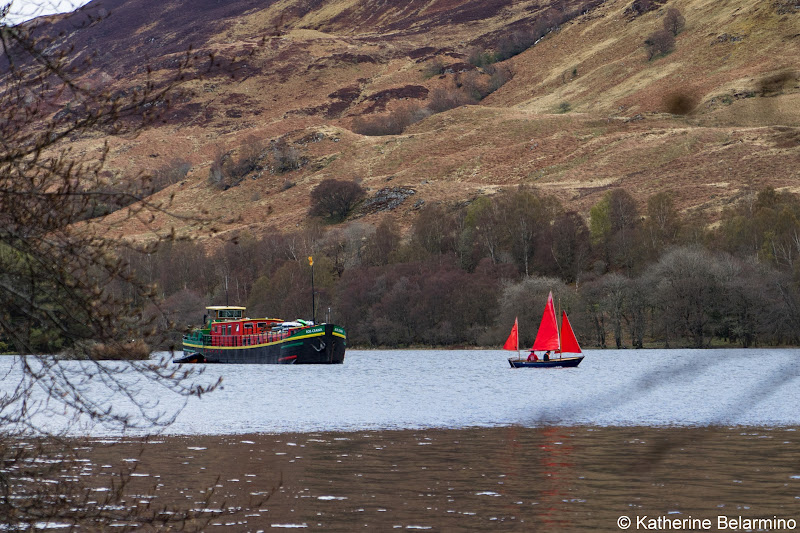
[688, 284]
[571, 246]
[443, 99]
[674, 21]
[662, 225]
[382, 243]
[659, 42]
[287, 157]
[62, 271]
[484, 218]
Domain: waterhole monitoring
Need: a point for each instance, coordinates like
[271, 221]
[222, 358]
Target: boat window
[229, 313]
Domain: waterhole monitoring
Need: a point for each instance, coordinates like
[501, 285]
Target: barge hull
[318, 345]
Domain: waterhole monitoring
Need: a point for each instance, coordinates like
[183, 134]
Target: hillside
[585, 110]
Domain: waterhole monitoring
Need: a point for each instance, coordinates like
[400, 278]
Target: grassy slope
[618, 132]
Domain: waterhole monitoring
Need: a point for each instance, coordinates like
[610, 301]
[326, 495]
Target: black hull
[315, 348]
[566, 362]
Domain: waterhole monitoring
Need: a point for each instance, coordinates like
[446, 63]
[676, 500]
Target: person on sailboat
[532, 356]
[547, 355]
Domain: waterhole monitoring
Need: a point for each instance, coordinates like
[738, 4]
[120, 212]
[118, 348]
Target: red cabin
[228, 328]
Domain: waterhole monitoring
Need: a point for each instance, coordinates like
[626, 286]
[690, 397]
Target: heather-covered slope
[585, 111]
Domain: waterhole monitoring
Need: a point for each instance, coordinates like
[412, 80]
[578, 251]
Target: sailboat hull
[552, 363]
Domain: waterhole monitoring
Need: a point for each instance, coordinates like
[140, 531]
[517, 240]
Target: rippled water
[478, 479]
[407, 389]
[459, 441]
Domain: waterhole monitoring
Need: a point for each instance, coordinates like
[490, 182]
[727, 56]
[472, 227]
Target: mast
[313, 302]
[560, 326]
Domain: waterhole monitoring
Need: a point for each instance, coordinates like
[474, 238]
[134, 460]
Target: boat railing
[226, 341]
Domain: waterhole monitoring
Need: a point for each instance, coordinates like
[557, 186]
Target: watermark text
[719, 523]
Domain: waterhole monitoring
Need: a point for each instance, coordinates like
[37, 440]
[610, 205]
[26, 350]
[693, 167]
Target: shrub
[376, 125]
[443, 99]
[334, 199]
[512, 44]
[219, 172]
[434, 68]
[519, 41]
[133, 350]
[392, 123]
[225, 172]
[640, 7]
[215, 175]
[251, 158]
[286, 156]
[659, 42]
[169, 174]
[110, 351]
[674, 21]
[479, 57]
[499, 76]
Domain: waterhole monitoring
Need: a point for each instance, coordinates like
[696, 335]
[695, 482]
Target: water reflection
[515, 478]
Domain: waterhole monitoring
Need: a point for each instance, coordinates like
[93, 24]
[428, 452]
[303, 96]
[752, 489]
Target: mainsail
[547, 336]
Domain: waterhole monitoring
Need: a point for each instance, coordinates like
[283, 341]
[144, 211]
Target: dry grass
[679, 122]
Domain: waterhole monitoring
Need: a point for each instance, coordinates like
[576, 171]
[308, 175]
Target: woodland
[628, 279]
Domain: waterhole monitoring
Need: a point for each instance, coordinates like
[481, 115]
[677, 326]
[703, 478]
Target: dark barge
[229, 337]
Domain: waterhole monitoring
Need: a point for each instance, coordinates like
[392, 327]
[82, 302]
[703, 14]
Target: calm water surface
[459, 441]
[405, 389]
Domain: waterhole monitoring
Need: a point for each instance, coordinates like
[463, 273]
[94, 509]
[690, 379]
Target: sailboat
[548, 339]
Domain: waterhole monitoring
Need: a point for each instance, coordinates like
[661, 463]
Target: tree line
[462, 273]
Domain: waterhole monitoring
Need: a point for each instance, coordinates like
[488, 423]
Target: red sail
[547, 336]
[512, 342]
[569, 344]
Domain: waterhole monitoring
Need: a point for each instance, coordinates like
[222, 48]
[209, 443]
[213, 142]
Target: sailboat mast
[560, 327]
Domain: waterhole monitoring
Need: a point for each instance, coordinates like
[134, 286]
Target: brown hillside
[719, 114]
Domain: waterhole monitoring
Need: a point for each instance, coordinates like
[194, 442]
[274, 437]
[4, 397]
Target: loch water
[415, 389]
[404, 389]
[511, 478]
[456, 440]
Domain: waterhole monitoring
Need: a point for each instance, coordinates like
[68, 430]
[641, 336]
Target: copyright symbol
[623, 522]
